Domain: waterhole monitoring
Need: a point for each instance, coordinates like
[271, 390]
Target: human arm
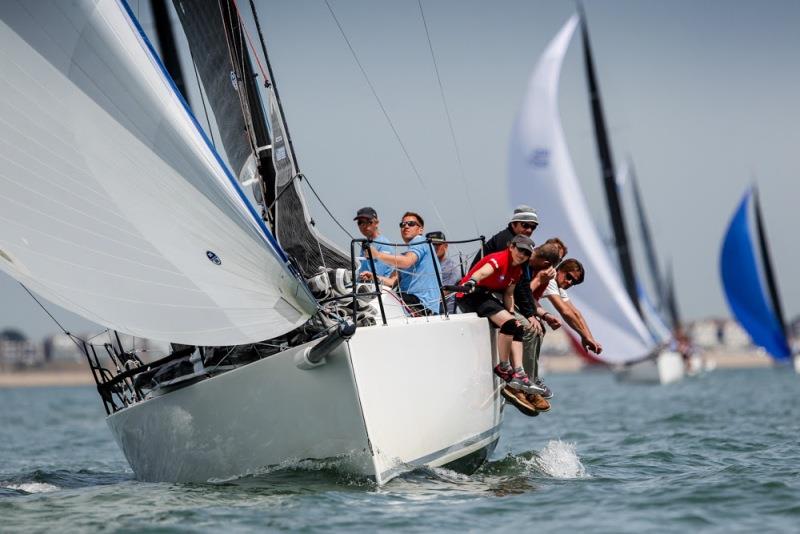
[573, 317]
[401, 261]
[508, 298]
[541, 279]
[551, 320]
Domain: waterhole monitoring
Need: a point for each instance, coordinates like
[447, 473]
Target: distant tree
[12, 334]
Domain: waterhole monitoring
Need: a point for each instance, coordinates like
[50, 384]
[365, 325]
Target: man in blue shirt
[419, 288]
[367, 220]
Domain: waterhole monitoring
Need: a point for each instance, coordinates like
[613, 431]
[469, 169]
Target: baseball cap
[436, 237]
[523, 242]
[366, 213]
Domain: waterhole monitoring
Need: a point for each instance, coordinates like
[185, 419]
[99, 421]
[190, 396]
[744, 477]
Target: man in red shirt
[499, 273]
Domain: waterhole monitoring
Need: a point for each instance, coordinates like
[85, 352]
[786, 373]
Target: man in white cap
[523, 222]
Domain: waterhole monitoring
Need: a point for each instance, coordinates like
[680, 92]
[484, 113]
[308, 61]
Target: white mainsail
[540, 169]
[112, 202]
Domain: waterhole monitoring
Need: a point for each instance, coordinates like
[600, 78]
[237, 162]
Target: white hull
[797, 363]
[666, 368]
[416, 392]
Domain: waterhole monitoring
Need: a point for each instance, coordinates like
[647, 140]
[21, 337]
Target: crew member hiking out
[524, 221]
[499, 272]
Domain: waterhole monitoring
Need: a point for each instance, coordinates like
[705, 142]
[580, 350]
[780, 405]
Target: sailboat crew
[524, 221]
[418, 286]
[499, 273]
[368, 225]
[570, 273]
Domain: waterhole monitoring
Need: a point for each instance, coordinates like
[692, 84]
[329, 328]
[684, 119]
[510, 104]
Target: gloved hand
[469, 286]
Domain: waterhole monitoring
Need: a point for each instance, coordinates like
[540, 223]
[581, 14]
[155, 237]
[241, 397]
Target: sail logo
[213, 258]
[234, 81]
[540, 158]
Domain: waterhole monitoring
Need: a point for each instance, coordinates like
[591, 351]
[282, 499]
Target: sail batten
[182, 257]
[540, 168]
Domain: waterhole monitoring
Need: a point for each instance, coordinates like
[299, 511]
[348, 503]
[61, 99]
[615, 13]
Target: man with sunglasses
[569, 274]
[367, 220]
[524, 221]
[419, 287]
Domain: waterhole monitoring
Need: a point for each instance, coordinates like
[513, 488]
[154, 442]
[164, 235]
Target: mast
[766, 260]
[607, 168]
[647, 238]
[670, 302]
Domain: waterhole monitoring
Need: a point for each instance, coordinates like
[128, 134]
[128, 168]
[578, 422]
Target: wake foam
[32, 487]
[558, 459]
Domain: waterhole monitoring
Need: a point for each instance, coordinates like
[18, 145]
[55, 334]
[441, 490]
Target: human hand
[365, 276]
[547, 274]
[552, 321]
[591, 345]
[535, 326]
[469, 286]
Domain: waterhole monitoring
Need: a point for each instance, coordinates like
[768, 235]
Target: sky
[703, 96]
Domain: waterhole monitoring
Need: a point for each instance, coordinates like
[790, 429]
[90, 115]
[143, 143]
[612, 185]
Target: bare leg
[504, 341]
[516, 354]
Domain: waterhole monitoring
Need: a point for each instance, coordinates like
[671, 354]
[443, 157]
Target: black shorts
[415, 305]
[481, 302]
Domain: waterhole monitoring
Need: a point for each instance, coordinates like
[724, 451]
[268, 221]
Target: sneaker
[538, 402]
[505, 374]
[521, 382]
[546, 392]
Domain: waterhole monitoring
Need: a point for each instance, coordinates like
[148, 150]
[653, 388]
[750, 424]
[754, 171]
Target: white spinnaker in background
[541, 172]
[112, 203]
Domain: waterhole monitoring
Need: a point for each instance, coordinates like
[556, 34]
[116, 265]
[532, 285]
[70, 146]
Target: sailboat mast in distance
[766, 259]
[607, 168]
[670, 301]
[647, 238]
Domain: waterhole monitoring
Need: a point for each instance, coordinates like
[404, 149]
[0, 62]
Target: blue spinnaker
[744, 284]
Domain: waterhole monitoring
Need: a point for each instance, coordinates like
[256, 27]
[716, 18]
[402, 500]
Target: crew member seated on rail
[418, 286]
[500, 272]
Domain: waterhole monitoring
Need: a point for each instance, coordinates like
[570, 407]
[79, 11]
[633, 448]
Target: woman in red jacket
[499, 273]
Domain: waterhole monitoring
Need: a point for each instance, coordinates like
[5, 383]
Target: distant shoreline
[80, 376]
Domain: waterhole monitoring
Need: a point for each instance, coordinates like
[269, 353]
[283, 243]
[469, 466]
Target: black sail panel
[609, 174]
[766, 261]
[219, 53]
[293, 225]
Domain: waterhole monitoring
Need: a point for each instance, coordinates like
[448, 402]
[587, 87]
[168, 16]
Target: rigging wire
[73, 337]
[269, 83]
[388, 118]
[449, 121]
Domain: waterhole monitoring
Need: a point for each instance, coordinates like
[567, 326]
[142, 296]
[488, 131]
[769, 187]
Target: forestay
[540, 169]
[112, 202]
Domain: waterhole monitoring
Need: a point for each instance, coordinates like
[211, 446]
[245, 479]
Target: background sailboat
[748, 279]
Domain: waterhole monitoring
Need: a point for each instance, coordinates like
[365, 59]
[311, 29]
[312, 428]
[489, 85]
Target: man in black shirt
[523, 222]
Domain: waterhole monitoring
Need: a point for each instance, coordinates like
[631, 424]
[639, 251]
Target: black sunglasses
[529, 226]
[569, 277]
[410, 224]
[364, 222]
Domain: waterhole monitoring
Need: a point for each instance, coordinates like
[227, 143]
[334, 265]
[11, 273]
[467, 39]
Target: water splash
[32, 487]
[558, 459]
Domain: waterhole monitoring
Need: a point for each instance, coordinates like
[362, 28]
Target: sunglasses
[529, 226]
[364, 222]
[525, 252]
[409, 224]
[569, 277]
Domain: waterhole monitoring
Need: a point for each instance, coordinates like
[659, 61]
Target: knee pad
[511, 328]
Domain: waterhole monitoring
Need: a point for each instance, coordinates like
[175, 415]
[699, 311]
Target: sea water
[716, 453]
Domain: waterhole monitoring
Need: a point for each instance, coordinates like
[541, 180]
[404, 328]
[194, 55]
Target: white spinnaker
[540, 170]
[112, 202]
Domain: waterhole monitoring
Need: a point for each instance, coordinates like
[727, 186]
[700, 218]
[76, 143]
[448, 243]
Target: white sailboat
[115, 205]
[539, 162]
